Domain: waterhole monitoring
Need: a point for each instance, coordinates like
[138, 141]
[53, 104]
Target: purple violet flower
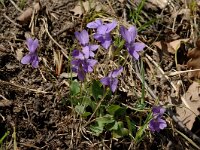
[88, 50]
[82, 37]
[111, 80]
[156, 123]
[77, 66]
[32, 56]
[129, 36]
[158, 111]
[81, 67]
[95, 24]
[78, 54]
[103, 32]
[82, 62]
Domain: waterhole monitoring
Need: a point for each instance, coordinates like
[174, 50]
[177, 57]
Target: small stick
[18, 25]
[110, 6]
[2, 117]
[98, 105]
[5, 101]
[62, 49]
[45, 80]
[69, 26]
[15, 5]
[180, 72]
[21, 87]
[161, 70]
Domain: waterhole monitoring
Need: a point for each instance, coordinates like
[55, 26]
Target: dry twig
[22, 87]
[62, 49]
[16, 24]
[15, 5]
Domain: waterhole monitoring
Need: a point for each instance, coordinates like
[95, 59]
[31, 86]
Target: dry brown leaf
[5, 103]
[78, 10]
[186, 14]
[2, 48]
[27, 14]
[194, 62]
[171, 47]
[153, 4]
[191, 104]
[159, 3]
[177, 43]
[121, 1]
[68, 75]
[19, 54]
[87, 6]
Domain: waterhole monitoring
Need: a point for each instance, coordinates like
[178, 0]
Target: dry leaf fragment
[87, 6]
[177, 43]
[189, 111]
[171, 47]
[159, 3]
[185, 12]
[153, 4]
[194, 62]
[27, 14]
[78, 10]
[2, 48]
[19, 54]
[5, 103]
[68, 75]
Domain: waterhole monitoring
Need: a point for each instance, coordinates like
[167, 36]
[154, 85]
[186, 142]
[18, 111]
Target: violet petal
[32, 44]
[116, 72]
[113, 84]
[82, 37]
[26, 59]
[95, 24]
[105, 81]
[111, 26]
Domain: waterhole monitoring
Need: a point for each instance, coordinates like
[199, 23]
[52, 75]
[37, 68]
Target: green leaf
[116, 134]
[105, 120]
[120, 112]
[120, 124]
[86, 114]
[116, 110]
[80, 109]
[93, 105]
[86, 101]
[97, 90]
[114, 126]
[124, 132]
[74, 87]
[131, 125]
[113, 108]
[140, 133]
[97, 130]
[120, 133]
